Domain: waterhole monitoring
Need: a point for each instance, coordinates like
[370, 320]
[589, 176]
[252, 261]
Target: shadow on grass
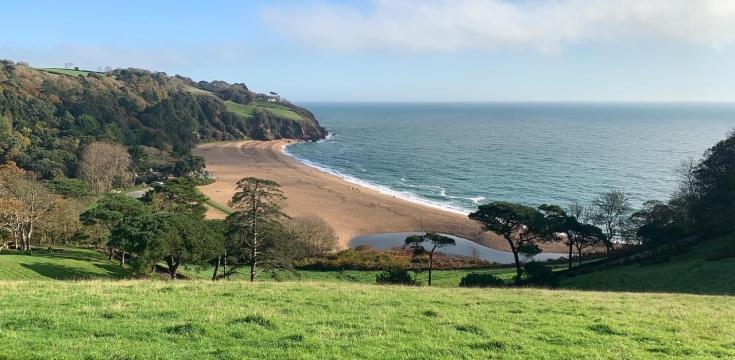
[65, 253]
[64, 272]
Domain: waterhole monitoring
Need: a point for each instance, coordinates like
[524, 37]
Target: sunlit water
[460, 155]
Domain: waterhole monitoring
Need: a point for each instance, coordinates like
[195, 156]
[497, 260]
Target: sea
[456, 156]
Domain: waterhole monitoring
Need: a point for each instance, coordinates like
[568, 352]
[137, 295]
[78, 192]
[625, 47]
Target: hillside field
[247, 111]
[320, 320]
[71, 72]
[66, 264]
[82, 264]
[690, 272]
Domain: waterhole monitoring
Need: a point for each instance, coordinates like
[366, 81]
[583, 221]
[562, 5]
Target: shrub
[396, 276]
[540, 274]
[356, 259]
[365, 258]
[481, 280]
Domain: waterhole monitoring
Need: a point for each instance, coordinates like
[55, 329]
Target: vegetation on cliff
[49, 116]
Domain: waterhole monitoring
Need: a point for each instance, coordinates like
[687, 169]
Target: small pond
[464, 247]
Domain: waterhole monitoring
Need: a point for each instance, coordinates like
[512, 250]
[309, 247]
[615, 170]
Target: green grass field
[684, 273]
[320, 320]
[440, 278]
[66, 264]
[247, 111]
[198, 91]
[71, 72]
[343, 314]
[72, 264]
[217, 206]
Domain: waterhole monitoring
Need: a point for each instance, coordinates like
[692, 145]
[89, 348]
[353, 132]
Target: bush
[396, 276]
[481, 280]
[365, 258]
[356, 259]
[540, 274]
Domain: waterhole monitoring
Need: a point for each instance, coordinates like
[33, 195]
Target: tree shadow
[60, 253]
[63, 272]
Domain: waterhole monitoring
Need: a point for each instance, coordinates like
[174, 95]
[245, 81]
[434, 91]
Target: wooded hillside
[48, 116]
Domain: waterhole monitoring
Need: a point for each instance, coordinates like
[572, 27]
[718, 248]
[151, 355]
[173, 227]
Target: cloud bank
[543, 25]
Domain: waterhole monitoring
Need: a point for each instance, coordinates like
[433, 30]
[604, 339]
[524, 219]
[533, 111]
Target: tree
[135, 234]
[609, 210]
[177, 195]
[219, 244]
[657, 224]
[434, 240]
[109, 212]
[185, 240]
[69, 188]
[174, 238]
[515, 222]
[579, 211]
[714, 210]
[310, 236]
[559, 224]
[585, 236]
[31, 202]
[257, 203]
[61, 224]
[104, 166]
[10, 210]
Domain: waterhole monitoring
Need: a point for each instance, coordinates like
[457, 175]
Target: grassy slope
[228, 320]
[71, 72]
[61, 265]
[219, 207]
[247, 111]
[198, 91]
[688, 273]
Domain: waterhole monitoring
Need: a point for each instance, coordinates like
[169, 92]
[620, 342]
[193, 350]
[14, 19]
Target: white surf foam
[403, 195]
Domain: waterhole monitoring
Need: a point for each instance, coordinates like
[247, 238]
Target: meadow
[80, 264]
[61, 264]
[689, 272]
[322, 320]
[72, 72]
[247, 111]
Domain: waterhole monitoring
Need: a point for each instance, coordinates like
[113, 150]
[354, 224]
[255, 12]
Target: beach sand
[350, 209]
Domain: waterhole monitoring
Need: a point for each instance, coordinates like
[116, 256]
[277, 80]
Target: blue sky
[399, 50]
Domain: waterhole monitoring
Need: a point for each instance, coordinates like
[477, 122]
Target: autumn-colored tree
[9, 214]
[104, 166]
[61, 223]
[31, 200]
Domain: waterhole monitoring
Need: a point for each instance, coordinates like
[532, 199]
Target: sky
[398, 50]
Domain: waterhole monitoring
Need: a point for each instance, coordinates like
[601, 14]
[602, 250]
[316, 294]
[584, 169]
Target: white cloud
[544, 25]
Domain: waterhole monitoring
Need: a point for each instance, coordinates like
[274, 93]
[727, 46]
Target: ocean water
[458, 155]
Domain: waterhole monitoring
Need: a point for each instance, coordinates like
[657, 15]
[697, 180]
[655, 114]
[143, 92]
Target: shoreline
[378, 188]
[352, 209]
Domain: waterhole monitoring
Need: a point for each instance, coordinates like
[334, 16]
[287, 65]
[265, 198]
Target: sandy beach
[350, 209]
